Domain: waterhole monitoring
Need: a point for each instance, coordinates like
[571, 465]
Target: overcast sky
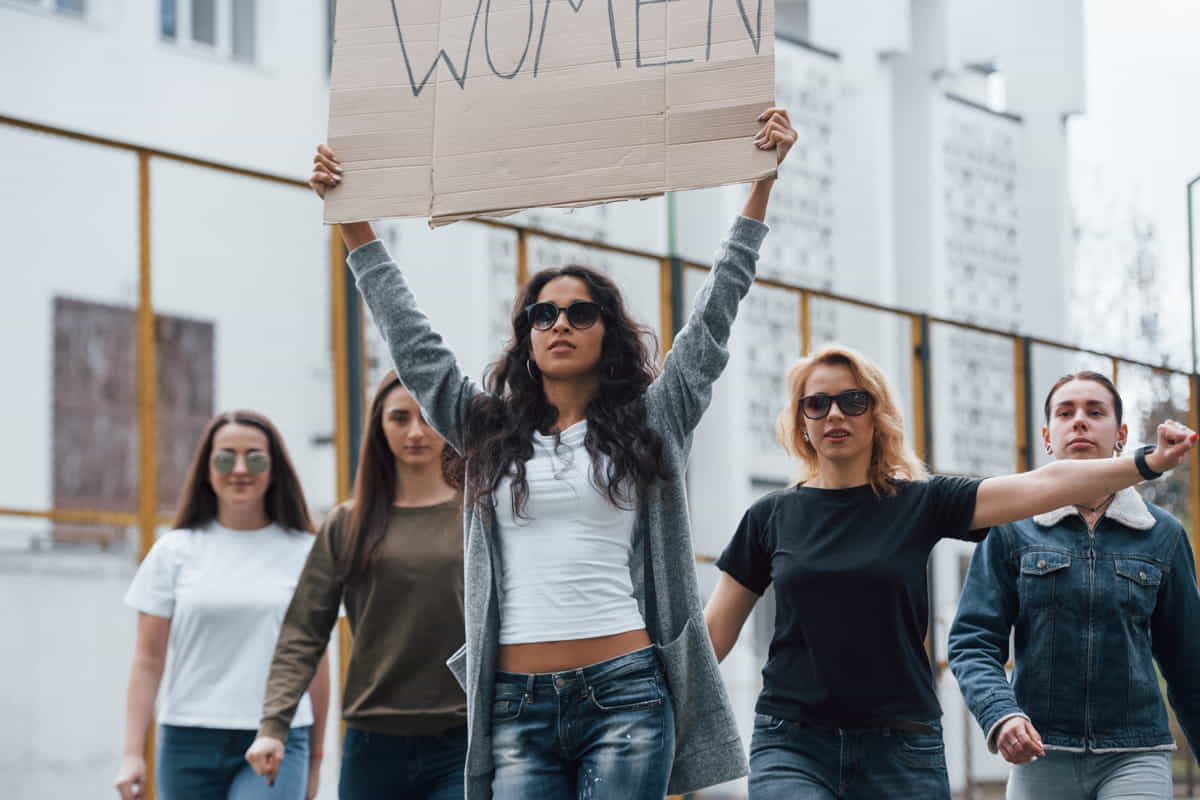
[1138, 142]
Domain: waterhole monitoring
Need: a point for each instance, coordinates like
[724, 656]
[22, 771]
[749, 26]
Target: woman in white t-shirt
[210, 597]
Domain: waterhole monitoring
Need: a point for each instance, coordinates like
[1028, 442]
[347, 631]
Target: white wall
[111, 74]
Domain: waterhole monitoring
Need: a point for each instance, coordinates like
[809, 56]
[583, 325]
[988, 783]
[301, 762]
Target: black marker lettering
[755, 35]
[459, 78]
[487, 46]
[638, 34]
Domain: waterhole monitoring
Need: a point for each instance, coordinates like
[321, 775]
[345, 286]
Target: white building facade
[930, 174]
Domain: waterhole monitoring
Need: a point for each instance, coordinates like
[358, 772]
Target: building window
[226, 28]
[95, 430]
[168, 25]
[204, 21]
[792, 19]
[242, 32]
[73, 8]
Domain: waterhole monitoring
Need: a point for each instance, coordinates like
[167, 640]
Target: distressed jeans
[1093, 776]
[600, 732]
[794, 761]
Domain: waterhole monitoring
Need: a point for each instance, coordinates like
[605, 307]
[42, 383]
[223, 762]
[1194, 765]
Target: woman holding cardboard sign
[587, 665]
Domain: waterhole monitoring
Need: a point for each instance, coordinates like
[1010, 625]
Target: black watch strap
[1139, 460]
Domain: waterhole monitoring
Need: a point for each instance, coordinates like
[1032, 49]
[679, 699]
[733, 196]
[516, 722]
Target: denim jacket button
[1042, 564]
[1142, 575]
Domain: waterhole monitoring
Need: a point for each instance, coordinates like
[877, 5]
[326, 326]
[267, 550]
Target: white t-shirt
[225, 592]
[566, 560]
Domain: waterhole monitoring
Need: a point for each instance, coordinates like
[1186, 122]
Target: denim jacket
[1091, 613]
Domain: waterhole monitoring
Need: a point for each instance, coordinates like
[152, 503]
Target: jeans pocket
[921, 750]
[507, 702]
[627, 693]
[765, 723]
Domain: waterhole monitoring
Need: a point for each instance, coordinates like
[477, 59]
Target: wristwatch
[1139, 460]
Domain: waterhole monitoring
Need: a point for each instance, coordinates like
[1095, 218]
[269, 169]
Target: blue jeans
[210, 764]
[794, 761]
[602, 731]
[380, 766]
[1093, 776]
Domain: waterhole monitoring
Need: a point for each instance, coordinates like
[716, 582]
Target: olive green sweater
[406, 615]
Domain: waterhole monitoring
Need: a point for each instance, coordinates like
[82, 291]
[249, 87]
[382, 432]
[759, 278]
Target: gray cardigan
[708, 749]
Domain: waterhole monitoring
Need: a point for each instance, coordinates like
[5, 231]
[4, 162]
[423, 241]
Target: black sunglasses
[853, 403]
[581, 314]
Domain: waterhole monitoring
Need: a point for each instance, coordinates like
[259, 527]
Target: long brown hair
[502, 421]
[375, 487]
[891, 458]
[284, 501]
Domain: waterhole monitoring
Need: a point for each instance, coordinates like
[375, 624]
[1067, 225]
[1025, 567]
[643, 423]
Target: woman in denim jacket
[1096, 594]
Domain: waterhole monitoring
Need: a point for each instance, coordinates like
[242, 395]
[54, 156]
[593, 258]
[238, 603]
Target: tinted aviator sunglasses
[581, 314]
[853, 403]
[257, 462]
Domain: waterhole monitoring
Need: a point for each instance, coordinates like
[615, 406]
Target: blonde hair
[891, 458]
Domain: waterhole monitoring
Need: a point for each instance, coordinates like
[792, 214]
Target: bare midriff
[563, 655]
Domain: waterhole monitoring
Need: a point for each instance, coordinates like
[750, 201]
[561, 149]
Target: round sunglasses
[257, 462]
[581, 314]
[853, 403]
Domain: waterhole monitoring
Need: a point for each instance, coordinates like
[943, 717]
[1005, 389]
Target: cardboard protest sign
[451, 109]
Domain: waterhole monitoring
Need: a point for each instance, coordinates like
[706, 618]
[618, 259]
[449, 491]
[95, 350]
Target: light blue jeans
[1093, 776]
[210, 764]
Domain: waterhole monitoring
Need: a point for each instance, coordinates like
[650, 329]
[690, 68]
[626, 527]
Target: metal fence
[347, 359]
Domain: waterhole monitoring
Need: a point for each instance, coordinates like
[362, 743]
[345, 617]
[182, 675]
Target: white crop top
[566, 560]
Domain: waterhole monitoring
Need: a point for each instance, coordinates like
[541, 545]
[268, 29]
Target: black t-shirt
[852, 598]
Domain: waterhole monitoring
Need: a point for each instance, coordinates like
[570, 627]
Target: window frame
[224, 17]
[51, 8]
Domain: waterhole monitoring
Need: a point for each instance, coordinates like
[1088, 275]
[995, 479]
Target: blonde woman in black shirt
[394, 556]
[848, 708]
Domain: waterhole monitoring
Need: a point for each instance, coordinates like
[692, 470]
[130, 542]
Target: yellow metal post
[1022, 405]
[522, 258]
[341, 414]
[341, 373]
[920, 424]
[147, 390]
[666, 314]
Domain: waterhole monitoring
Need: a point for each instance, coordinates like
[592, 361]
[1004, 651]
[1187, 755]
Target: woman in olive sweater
[397, 545]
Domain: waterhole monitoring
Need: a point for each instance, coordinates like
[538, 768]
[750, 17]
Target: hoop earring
[1049, 450]
[1119, 446]
[529, 369]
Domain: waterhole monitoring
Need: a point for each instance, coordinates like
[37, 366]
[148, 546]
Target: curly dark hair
[502, 421]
